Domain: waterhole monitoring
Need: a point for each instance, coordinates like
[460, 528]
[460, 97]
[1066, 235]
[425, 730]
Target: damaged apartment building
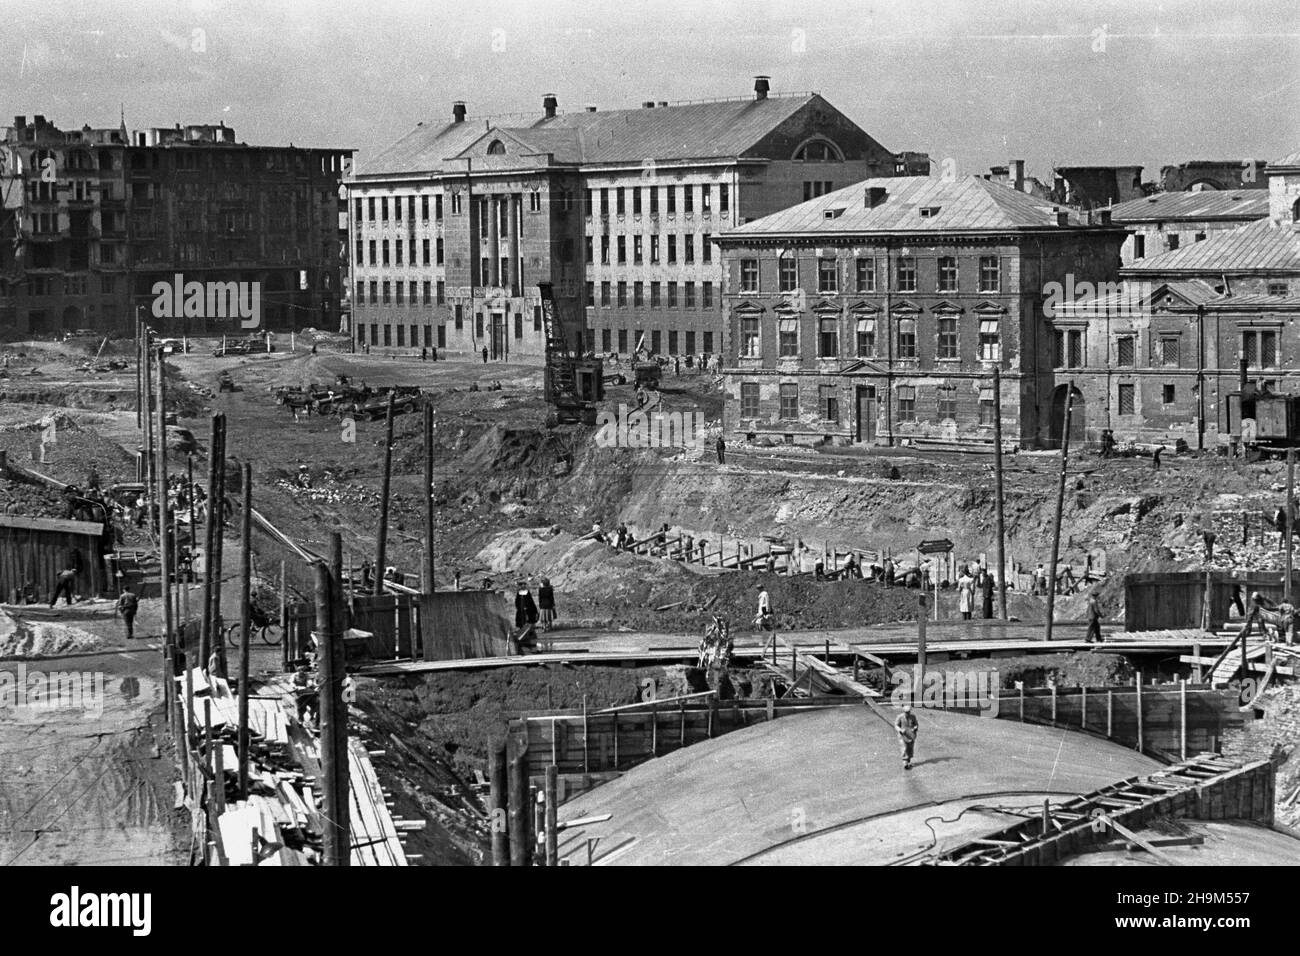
[877, 313]
[1160, 357]
[454, 225]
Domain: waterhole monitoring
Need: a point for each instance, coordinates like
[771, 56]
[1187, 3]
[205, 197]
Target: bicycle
[268, 631]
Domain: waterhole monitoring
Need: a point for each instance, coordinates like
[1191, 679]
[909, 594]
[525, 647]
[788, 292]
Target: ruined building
[1163, 222]
[1157, 358]
[878, 312]
[455, 224]
[92, 219]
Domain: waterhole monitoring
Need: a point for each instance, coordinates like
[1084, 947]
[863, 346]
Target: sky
[972, 82]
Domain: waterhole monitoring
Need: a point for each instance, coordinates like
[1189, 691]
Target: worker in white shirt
[764, 618]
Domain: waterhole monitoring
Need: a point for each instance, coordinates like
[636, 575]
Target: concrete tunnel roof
[829, 787]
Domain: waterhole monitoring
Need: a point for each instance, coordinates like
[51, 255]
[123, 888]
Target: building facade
[877, 313]
[1163, 222]
[96, 220]
[617, 209]
[1157, 358]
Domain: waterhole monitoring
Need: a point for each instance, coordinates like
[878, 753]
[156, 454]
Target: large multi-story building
[1165, 221]
[877, 313]
[94, 220]
[455, 224]
[1157, 357]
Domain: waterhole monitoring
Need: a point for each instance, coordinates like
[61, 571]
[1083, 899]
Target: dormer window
[929, 212]
[496, 148]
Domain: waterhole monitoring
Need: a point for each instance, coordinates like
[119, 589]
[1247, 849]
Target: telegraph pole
[997, 474]
[381, 543]
[428, 497]
[1290, 520]
[1060, 507]
[164, 546]
[245, 622]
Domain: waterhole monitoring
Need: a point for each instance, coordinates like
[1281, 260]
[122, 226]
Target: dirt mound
[34, 638]
[72, 453]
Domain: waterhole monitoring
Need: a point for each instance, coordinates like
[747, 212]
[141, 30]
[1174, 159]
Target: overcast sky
[976, 81]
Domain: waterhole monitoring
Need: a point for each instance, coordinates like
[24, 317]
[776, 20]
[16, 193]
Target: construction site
[439, 617]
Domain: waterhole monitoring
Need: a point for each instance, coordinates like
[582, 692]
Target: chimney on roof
[20, 121]
[591, 109]
[761, 87]
[1016, 174]
[458, 111]
[549, 105]
[873, 196]
[1062, 217]
[663, 103]
[1104, 215]
[648, 105]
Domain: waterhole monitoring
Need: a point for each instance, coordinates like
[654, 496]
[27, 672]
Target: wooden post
[168, 684]
[1053, 701]
[1047, 816]
[1083, 707]
[998, 488]
[498, 803]
[1182, 717]
[150, 480]
[1290, 520]
[1060, 507]
[337, 835]
[519, 810]
[920, 650]
[537, 800]
[164, 544]
[1022, 701]
[205, 615]
[218, 509]
[586, 750]
[381, 541]
[428, 497]
[219, 776]
[552, 815]
[284, 620]
[1110, 713]
[1196, 668]
[245, 622]
[1140, 740]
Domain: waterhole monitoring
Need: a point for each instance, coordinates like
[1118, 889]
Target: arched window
[818, 150]
[496, 148]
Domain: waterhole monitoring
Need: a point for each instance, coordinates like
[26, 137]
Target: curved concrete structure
[829, 787]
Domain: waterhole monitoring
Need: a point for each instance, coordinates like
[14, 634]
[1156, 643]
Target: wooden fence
[392, 620]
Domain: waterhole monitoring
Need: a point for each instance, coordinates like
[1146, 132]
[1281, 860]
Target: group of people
[529, 613]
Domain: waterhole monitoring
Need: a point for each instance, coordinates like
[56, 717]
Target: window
[397, 251]
[706, 246]
[828, 338]
[811, 190]
[1069, 348]
[622, 249]
[537, 318]
[906, 274]
[622, 340]
[401, 335]
[591, 293]
[622, 293]
[442, 292]
[1167, 393]
[947, 274]
[723, 199]
[604, 201]
[604, 294]
[706, 295]
[708, 342]
[534, 201]
[387, 293]
[1259, 348]
[906, 403]
[748, 399]
[1125, 351]
[671, 193]
[437, 206]
[373, 258]
[428, 292]
[439, 251]
[789, 274]
[620, 206]
[496, 148]
[672, 249]
[866, 275]
[788, 336]
[749, 342]
[829, 403]
[688, 296]
[424, 208]
[636, 250]
[636, 201]
[460, 317]
[789, 401]
[907, 338]
[688, 199]
[606, 341]
[688, 249]
[947, 396]
[638, 294]
[424, 251]
[361, 292]
[384, 246]
[672, 343]
[1126, 406]
[826, 276]
[654, 342]
[654, 200]
[1278, 288]
[383, 208]
[519, 326]
[1169, 350]
[690, 343]
[866, 337]
[456, 206]
[990, 341]
[374, 292]
[388, 335]
[400, 292]
[654, 295]
[706, 198]
[397, 211]
[672, 295]
[990, 274]
[988, 410]
[604, 250]
[1139, 247]
[1172, 241]
[748, 275]
[947, 337]
[654, 250]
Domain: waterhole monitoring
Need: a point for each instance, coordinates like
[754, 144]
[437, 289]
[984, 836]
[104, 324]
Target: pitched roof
[966, 204]
[1263, 246]
[1290, 161]
[1207, 204]
[424, 149]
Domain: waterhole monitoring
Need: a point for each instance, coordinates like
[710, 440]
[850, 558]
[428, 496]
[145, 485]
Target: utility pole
[997, 474]
[1290, 520]
[336, 837]
[164, 546]
[381, 543]
[206, 622]
[149, 463]
[245, 622]
[218, 505]
[1060, 507]
[428, 495]
[920, 649]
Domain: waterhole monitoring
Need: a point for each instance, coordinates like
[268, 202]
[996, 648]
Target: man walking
[1094, 620]
[907, 727]
[722, 451]
[485, 355]
[127, 605]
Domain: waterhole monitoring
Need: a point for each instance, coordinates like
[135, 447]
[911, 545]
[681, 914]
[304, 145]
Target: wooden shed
[34, 551]
[1174, 600]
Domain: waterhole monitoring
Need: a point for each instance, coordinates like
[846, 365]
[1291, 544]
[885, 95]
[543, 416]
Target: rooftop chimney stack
[549, 105]
[1016, 170]
[1062, 217]
[591, 109]
[458, 111]
[1104, 216]
[873, 196]
[761, 87]
[648, 104]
